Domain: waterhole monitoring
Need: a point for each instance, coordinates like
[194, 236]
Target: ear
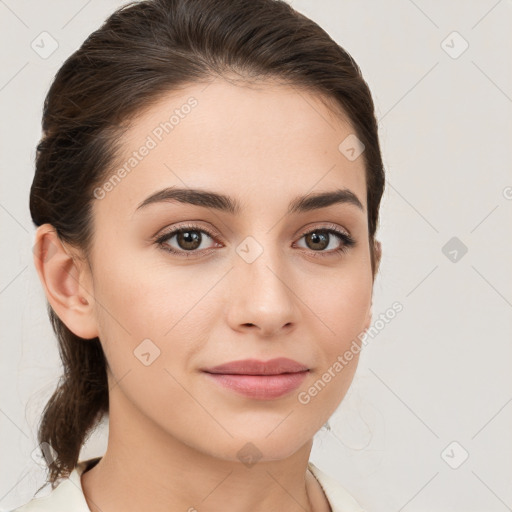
[378, 255]
[67, 282]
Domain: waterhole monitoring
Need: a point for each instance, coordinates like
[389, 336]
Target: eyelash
[348, 241]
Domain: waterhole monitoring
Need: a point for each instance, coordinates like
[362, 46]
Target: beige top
[68, 496]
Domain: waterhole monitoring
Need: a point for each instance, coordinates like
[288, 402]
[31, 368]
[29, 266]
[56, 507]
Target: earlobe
[65, 281]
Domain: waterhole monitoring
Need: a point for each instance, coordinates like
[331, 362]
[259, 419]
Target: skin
[173, 434]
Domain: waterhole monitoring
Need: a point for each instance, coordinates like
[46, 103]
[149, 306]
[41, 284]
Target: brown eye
[188, 240]
[318, 240]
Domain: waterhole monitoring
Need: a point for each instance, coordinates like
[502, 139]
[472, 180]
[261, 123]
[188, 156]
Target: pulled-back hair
[141, 52]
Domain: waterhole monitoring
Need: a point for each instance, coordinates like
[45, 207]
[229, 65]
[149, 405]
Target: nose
[263, 295]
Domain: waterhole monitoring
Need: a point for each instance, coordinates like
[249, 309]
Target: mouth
[259, 380]
[277, 366]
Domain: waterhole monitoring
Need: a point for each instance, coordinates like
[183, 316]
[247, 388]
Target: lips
[259, 380]
[275, 366]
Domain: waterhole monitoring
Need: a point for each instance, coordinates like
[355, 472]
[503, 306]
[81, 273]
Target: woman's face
[258, 281]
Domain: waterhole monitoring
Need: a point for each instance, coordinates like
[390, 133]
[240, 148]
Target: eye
[188, 238]
[319, 239]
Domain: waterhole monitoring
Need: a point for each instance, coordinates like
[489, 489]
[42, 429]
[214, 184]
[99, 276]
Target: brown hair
[143, 50]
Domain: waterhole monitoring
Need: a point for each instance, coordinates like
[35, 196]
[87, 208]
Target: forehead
[263, 141]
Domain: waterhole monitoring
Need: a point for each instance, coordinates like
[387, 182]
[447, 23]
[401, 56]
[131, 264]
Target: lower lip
[261, 387]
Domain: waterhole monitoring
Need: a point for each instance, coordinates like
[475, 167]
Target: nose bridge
[261, 260]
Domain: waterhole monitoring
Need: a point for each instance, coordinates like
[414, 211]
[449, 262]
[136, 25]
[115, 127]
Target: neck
[144, 467]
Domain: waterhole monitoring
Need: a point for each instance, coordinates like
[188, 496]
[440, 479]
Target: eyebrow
[227, 204]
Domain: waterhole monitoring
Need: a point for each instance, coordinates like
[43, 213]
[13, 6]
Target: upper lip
[256, 367]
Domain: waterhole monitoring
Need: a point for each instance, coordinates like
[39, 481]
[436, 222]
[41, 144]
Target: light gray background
[439, 372]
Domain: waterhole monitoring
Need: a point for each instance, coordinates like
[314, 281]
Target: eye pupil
[322, 239]
[188, 240]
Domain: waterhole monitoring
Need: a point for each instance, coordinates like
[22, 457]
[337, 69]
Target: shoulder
[68, 496]
[339, 498]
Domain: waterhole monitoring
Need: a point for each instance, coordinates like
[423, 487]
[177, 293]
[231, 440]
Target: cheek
[339, 307]
[127, 310]
[134, 296]
[341, 303]
[143, 311]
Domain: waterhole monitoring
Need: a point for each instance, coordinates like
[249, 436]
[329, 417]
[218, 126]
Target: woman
[206, 198]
